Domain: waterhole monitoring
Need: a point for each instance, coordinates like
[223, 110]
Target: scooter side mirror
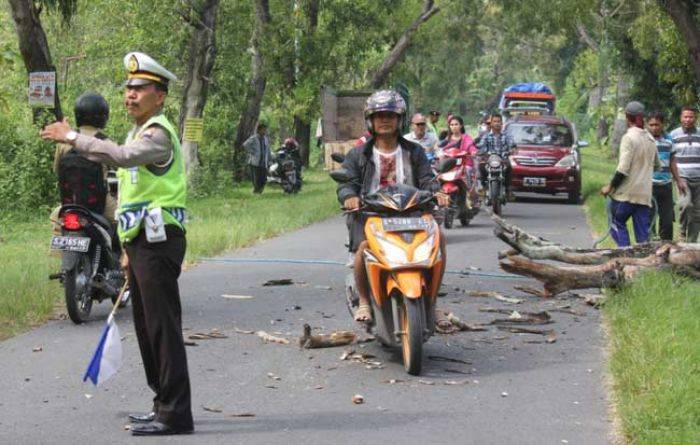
[341, 175]
[446, 164]
[338, 157]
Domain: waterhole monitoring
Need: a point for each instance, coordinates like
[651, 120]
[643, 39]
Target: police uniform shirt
[154, 147]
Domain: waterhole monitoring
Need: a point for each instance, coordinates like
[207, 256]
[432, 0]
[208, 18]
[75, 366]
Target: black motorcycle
[286, 170]
[90, 254]
[496, 197]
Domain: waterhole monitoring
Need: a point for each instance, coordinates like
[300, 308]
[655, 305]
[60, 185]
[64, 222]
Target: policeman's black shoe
[142, 418]
[156, 428]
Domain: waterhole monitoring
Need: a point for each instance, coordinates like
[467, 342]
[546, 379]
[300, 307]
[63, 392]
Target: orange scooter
[405, 266]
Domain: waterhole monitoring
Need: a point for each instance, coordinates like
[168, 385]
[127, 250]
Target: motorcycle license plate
[404, 224]
[70, 243]
[535, 182]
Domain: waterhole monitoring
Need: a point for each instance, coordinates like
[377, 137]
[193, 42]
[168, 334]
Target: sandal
[363, 314]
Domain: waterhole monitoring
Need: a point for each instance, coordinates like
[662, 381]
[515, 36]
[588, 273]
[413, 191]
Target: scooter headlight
[424, 249]
[449, 176]
[393, 253]
[567, 161]
[495, 161]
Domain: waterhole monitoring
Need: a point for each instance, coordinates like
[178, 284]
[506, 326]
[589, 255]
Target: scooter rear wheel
[412, 337]
[76, 290]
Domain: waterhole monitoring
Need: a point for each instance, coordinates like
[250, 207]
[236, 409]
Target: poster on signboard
[42, 89]
[194, 127]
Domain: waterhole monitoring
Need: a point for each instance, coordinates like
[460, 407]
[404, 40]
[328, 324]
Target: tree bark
[258, 80]
[201, 57]
[33, 44]
[429, 10]
[683, 16]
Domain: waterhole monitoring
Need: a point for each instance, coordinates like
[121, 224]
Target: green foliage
[655, 326]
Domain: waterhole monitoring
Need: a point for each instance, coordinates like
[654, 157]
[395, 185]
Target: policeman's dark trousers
[259, 177]
[153, 272]
[663, 196]
[622, 211]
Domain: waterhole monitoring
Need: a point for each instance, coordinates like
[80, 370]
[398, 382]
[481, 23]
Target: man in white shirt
[420, 135]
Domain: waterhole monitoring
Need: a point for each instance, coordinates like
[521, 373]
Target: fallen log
[538, 248]
[602, 268]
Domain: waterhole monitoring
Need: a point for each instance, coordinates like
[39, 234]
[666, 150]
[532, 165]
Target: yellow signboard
[194, 127]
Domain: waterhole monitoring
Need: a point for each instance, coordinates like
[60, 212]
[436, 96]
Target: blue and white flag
[108, 355]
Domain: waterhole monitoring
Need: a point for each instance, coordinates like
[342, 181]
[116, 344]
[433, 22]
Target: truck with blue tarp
[530, 99]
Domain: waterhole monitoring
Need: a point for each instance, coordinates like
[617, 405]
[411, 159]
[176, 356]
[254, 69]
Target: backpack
[82, 181]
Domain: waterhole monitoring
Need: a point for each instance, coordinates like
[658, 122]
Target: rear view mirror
[341, 175]
[338, 157]
[582, 143]
[446, 164]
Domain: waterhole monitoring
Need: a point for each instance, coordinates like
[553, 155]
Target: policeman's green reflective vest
[141, 190]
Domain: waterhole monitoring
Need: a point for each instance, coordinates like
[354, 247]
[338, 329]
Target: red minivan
[546, 158]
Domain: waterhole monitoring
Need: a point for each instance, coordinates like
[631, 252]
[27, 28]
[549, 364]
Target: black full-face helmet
[384, 100]
[91, 109]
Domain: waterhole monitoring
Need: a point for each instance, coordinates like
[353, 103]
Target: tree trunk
[591, 267]
[429, 9]
[201, 57]
[302, 133]
[253, 99]
[33, 44]
[682, 15]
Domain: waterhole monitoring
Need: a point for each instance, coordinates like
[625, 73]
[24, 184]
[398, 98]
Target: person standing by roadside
[420, 135]
[662, 189]
[259, 155]
[631, 187]
[152, 193]
[433, 118]
[686, 159]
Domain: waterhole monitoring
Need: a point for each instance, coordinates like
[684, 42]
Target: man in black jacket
[385, 159]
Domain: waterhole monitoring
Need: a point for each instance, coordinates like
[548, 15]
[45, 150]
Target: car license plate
[70, 243]
[404, 224]
[535, 182]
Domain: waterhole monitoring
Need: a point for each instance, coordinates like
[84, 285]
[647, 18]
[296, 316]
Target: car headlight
[567, 161]
[424, 249]
[393, 253]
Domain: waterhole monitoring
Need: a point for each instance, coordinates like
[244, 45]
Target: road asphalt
[491, 387]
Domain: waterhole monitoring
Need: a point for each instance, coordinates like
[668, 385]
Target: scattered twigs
[338, 338]
[456, 325]
[550, 335]
[269, 338]
[515, 317]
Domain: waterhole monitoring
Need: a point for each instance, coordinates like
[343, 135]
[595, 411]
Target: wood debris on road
[334, 339]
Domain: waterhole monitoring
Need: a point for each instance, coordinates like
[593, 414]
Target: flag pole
[118, 301]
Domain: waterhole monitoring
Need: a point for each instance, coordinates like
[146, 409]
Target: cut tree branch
[429, 10]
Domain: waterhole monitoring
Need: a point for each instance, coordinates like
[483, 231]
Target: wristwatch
[71, 136]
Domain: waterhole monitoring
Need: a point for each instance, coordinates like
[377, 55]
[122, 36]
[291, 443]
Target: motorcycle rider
[386, 158]
[458, 138]
[91, 113]
[420, 135]
[498, 143]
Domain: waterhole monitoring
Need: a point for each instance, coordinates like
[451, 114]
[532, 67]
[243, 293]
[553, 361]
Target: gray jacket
[254, 149]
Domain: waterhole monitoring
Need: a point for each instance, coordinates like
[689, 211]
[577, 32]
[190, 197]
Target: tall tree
[201, 56]
[254, 95]
[33, 44]
[684, 13]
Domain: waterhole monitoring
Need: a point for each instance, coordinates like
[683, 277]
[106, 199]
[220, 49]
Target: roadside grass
[231, 220]
[654, 331]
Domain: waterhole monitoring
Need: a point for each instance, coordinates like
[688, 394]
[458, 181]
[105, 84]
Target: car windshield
[541, 134]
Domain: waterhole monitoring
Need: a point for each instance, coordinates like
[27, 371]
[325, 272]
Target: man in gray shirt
[420, 135]
[686, 159]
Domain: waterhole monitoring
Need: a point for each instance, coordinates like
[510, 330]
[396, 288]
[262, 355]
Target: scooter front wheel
[412, 335]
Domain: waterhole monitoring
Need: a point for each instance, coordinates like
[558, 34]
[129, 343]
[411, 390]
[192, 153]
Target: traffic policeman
[152, 191]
